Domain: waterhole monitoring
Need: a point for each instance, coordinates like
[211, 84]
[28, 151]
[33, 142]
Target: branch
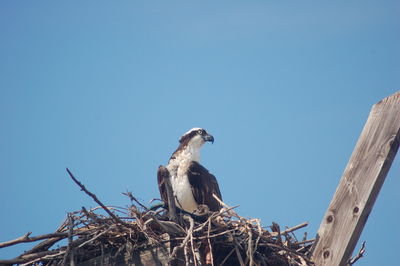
[132, 198]
[294, 228]
[25, 238]
[188, 235]
[116, 219]
[96, 236]
[359, 255]
[289, 251]
[69, 252]
[29, 257]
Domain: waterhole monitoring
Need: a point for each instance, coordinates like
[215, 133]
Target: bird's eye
[200, 132]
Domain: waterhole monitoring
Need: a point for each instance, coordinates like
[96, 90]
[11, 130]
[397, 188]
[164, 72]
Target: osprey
[191, 182]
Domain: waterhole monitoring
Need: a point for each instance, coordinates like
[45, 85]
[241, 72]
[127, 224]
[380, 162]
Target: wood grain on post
[361, 182]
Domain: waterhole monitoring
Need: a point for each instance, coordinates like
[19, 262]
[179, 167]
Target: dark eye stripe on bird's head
[191, 133]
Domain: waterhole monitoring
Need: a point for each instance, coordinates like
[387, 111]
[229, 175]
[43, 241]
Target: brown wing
[204, 185]
[161, 173]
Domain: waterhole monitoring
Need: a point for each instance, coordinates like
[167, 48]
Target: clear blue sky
[107, 88]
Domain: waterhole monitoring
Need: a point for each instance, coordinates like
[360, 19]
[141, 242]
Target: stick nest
[217, 238]
[138, 235]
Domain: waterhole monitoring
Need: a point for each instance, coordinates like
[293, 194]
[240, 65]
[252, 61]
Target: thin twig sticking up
[359, 255]
[112, 215]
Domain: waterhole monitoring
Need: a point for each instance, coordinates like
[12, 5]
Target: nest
[137, 235]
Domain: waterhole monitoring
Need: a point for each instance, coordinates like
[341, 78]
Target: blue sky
[107, 89]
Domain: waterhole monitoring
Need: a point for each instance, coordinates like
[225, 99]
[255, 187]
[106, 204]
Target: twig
[70, 239]
[220, 201]
[193, 251]
[204, 237]
[239, 256]
[209, 242]
[227, 256]
[46, 244]
[258, 236]
[29, 257]
[359, 255]
[95, 237]
[96, 199]
[294, 228]
[213, 216]
[305, 241]
[250, 247]
[288, 250]
[46, 257]
[229, 209]
[69, 252]
[185, 253]
[132, 198]
[91, 215]
[189, 233]
[26, 238]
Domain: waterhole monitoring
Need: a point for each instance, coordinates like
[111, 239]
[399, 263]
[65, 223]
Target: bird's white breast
[183, 194]
[178, 168]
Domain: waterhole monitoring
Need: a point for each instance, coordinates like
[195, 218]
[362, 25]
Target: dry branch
[26, 238]
[94, 198]
[359, 254]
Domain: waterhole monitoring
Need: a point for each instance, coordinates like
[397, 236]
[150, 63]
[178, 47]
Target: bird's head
[190, 144]
[196, 137]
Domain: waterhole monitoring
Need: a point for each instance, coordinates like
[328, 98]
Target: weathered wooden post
[361, 182]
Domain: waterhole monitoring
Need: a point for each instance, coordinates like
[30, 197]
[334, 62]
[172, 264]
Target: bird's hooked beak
[208, 137]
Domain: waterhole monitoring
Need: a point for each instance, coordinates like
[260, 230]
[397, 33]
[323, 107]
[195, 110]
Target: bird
[192, 184]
